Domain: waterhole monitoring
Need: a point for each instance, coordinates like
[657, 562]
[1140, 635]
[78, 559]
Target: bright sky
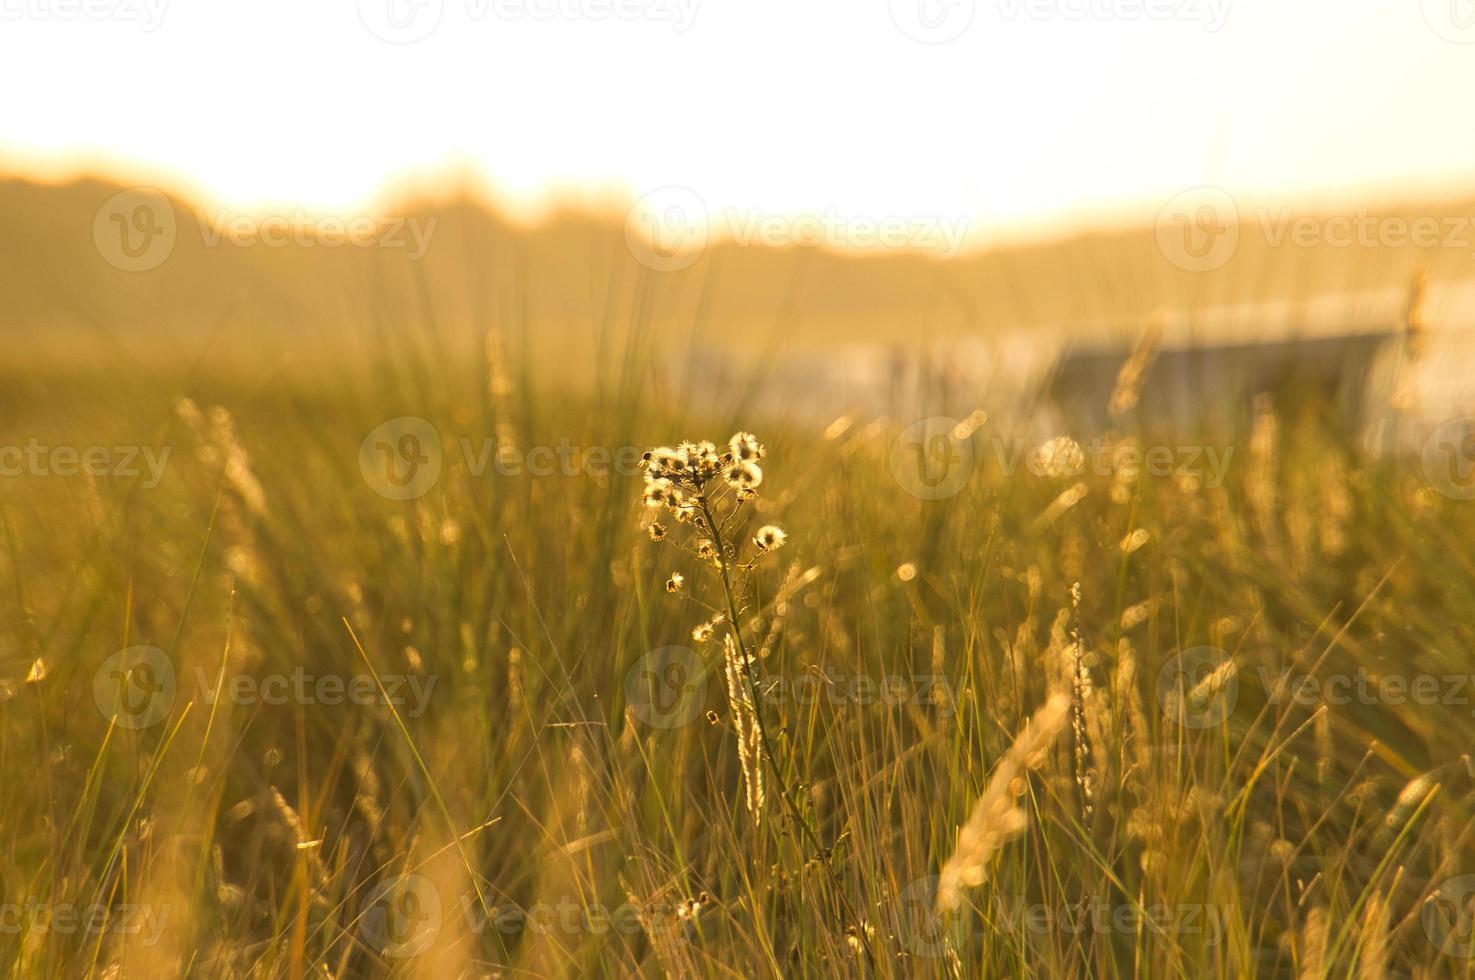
[1012, 112]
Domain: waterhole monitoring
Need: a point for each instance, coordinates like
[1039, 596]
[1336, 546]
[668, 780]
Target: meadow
[371, 665]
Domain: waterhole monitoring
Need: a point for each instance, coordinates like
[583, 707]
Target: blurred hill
[575, 271]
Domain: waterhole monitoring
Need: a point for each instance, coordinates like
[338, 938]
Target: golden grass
[530, 767]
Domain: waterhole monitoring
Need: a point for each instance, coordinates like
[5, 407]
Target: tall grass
[568, 797]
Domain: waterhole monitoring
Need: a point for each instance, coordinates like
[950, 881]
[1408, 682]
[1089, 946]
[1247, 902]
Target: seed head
[745, 476]
[770, 538]
[746, 448]
[704, 631]
[662, 462]
[661, 492]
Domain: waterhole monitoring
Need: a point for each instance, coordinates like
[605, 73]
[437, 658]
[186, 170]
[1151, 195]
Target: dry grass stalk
[749, 739]
[1313, 945]
[996, 817]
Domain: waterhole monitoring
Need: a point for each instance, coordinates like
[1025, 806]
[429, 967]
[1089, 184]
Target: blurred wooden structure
[1214, 388]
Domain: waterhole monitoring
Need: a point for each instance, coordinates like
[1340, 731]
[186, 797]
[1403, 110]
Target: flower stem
[750, 673]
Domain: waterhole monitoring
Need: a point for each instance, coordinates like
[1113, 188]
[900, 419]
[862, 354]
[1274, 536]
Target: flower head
[674, 583]
[745, 476]
[770, 538]
[704, 631]
[660, 463]
[661, 492]
[745, 447]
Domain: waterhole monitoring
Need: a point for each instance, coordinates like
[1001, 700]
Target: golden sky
[1019, 114]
